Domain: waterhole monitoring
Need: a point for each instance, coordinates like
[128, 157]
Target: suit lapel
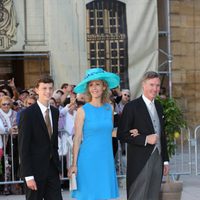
[145, 113]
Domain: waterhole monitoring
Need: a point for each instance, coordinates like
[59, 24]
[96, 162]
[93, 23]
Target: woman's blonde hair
[29, 97]
[6, 98]
[105, 96]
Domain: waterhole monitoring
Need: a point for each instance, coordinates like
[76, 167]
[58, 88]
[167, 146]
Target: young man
[38, 146]
[142, 127]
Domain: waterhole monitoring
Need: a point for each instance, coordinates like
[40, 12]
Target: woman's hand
[134, 132]
[14, 130]
[72, 169]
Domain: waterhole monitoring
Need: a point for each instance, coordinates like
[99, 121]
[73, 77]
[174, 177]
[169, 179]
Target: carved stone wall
[8, 24]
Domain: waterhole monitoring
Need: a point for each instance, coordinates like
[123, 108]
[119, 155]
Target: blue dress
[96, 176]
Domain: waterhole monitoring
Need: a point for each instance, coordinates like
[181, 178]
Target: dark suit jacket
[135, 115]
[35, 146]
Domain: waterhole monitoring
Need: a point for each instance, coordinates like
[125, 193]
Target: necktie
[156, 124]
[152, 109]
[48, 122]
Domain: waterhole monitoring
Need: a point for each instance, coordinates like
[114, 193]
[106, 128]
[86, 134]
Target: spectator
[2, 93]
[116, 93]
[30, 100]
[8, 127]
[22, 96]
[68, 90]
[52, 102]
[125, 98]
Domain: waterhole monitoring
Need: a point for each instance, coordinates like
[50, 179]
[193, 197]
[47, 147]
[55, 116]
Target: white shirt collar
[147, 101]
[43, 110]
[42, 107]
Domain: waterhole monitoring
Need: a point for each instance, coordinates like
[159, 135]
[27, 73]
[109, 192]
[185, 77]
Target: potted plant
[174, 122]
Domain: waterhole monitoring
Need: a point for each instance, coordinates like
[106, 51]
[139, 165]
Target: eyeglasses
[126, 95]
[5, 104]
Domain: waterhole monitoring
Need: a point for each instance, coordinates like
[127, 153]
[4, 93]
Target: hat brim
[111, 79]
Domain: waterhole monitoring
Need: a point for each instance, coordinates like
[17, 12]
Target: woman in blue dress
[93, 161]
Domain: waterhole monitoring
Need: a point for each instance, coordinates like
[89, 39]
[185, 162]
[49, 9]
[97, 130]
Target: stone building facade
[51, 38]
[65, 38]
[185, 42]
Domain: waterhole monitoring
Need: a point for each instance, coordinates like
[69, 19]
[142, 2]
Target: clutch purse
[73, 183]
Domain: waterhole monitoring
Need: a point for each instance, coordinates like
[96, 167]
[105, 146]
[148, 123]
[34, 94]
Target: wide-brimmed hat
[97, 74]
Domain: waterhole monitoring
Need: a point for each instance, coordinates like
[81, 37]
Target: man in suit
[38, 146]
[141, 126]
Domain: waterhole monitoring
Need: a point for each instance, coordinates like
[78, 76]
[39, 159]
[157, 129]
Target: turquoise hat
[97, 74]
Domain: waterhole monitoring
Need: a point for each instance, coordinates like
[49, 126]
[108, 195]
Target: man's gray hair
[150, 75]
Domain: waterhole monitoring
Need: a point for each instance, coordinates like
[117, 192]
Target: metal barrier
[10, 172]
[8, 166]
[65, 144]
[181, 161]
[196, 137]
[120, 161]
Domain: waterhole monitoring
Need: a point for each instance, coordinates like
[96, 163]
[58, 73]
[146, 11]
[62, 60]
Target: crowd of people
[81, 133]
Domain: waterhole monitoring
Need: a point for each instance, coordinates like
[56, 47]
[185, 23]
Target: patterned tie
[48, 122]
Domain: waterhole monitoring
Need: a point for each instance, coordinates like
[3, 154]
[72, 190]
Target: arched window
[107, 37]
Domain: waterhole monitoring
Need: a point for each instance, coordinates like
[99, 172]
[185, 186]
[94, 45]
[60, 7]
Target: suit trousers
[48, 189]
[147, 184]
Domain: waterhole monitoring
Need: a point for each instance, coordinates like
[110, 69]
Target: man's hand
[166, 170]
[31, 184]
[152, 139]
[134, 132]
